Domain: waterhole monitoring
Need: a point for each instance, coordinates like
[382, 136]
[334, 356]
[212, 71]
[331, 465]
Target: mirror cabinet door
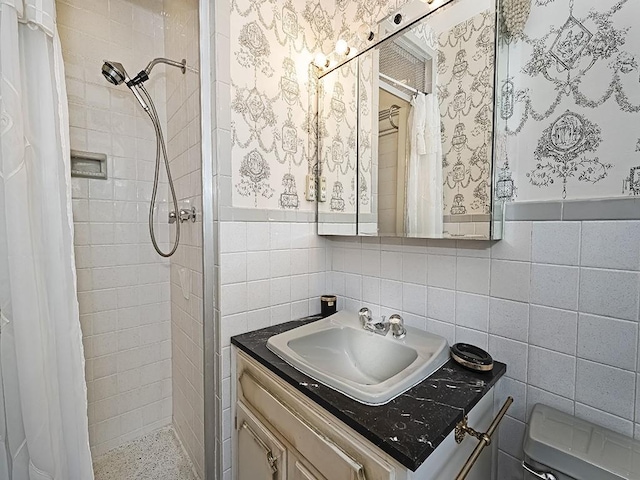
[337, 151]
[425, 126]
[466, 42]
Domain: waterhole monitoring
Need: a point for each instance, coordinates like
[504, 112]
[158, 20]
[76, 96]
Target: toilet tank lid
[578, 448]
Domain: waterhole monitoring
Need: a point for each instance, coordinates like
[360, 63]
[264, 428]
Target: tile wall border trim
[235, 214]
[575, 210]
[568, 210]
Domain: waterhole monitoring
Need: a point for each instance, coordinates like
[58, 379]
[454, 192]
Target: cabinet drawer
[332, 451]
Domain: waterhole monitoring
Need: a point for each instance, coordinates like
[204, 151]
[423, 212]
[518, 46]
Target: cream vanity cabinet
[281, 434]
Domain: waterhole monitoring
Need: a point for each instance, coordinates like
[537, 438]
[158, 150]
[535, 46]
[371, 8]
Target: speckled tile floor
[156, 456]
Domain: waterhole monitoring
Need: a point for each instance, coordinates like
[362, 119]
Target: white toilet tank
[569, 448]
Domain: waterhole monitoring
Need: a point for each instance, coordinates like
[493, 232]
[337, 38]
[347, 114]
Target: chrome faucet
[397, 326]
[368, 323]
[382, 327]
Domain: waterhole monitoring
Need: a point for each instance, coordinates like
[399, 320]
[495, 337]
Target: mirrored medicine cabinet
[406, 128]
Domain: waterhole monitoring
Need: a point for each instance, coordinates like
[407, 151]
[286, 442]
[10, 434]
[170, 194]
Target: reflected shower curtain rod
[400, 84]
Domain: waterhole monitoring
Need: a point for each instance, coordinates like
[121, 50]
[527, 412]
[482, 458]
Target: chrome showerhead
[114, 72]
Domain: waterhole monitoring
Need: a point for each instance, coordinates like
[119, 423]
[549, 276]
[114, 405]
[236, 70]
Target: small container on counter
[328, 305]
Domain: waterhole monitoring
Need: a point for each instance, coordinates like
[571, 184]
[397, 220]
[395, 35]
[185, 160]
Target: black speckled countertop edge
[408, 428]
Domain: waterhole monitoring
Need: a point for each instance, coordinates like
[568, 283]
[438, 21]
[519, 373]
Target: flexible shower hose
[161, 151]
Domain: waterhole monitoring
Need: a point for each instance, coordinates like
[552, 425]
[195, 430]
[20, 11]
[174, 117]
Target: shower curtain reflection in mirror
[43, 401]
[424, 201]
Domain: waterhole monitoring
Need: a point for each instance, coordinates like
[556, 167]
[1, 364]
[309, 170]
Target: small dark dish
[472, 357]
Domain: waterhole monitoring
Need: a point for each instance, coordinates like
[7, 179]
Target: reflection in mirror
[337, 147]
[466, 93]
[431, 140]
[367, 150]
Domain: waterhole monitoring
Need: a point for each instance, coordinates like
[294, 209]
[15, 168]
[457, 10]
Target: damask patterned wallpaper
[571, 102]
[273, 126]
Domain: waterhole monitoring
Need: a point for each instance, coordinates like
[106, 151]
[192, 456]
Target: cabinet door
[260, 456]
[317, 449]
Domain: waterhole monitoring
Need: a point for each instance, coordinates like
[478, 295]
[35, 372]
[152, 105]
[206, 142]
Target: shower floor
[156, 456]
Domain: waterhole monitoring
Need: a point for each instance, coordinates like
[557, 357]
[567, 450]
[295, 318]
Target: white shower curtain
[424, 194]
[43, 400]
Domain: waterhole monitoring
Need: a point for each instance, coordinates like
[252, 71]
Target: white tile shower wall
[183, 141]
[558, 302]
[123, 285]
[270, 273]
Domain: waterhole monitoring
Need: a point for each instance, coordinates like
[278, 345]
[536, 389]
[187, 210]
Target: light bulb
[320, 60]
[365, 34]
[342, 48]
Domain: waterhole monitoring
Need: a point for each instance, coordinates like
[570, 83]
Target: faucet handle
[397, 326]
[365, 315]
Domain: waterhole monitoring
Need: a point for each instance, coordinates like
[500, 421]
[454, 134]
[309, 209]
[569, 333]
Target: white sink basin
[370, 368]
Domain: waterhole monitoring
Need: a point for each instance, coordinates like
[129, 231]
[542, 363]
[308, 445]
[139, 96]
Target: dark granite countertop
[410, 427]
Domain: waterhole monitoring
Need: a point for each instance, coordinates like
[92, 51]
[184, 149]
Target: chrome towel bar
[462, 429]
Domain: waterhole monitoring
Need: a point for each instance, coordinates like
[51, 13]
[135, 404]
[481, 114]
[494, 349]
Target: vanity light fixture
[320, 60]
[342, 47]
[341, 51]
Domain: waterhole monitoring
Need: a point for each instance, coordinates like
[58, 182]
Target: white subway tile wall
[183, 142]
[557, 301]
[123, 285]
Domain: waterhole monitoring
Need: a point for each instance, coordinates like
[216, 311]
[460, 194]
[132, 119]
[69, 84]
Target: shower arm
[181, 65]
[143, 76]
